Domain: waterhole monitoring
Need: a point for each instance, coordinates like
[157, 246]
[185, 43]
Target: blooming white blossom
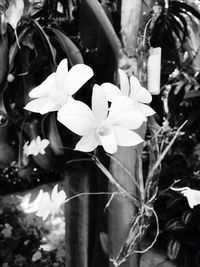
[192, 195]
[36, 146]
[58, 87]
[98, 127]
[138, 94]
[44, 204]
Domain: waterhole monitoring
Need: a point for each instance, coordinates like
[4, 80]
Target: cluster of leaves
[20, 243]
[179, 224]
[179, 228]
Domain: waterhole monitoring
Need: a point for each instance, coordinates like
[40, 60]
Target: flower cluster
[104, 124]
[36, 146]
[100, 125]
[44, 204]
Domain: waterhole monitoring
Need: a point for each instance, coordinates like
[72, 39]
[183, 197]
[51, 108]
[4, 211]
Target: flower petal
[192, 195]
[45, 206]
[129, 119]
[138, 92]
[146, 110]
[99, 103]
[111, 91]
[109, 142]
[122, 114]
[119, 105]
[57, 196]
[45, 87]
[77, 76]
[36, 105]
[126, 137]
[42, 105]
[61, 72]
[124, 83]
[33, 206]
[87, 143]
[77, 117]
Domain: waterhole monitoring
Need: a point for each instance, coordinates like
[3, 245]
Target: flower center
[103, 130]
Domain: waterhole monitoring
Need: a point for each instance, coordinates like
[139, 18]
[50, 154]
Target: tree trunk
[121, 210]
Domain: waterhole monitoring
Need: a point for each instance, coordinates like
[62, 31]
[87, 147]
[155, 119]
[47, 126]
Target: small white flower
[98, 127]
[58, 88]
[192, 195]
[36, 146]
[139, 95]
[45, 205]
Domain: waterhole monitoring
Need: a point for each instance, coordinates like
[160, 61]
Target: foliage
[19, 247]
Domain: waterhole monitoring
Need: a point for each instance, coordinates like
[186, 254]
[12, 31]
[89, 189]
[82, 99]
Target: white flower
[138, 94]
[192, 195]
[58, 87]
[44, 205]
[97, 127]
[36, 146]
[14, 12]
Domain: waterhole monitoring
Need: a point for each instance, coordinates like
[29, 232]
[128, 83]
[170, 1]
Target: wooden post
[121, 210]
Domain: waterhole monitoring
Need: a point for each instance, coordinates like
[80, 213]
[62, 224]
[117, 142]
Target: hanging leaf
[71, 51]
[46, 41]
[3, 57]
[3, 20]
[99, 39]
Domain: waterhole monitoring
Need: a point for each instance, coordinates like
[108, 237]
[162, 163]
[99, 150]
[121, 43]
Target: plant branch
[163, 154]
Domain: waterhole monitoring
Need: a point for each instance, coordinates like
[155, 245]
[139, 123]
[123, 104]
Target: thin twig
[161, 157]
[114, 182]
[108, 175]
[140, 178]
[91, 193]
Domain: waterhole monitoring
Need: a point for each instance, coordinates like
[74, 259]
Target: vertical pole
[77, 217]
[121, 210]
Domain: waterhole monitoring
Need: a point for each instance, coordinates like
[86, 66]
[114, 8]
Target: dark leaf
[99, 39]
[46, 41]
[3, 57]
[185, 8]
[69, 48]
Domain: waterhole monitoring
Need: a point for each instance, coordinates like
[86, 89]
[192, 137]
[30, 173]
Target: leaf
[69, 48]
[3, 22]
[3, 57]
[100, 41]
[173, 249]
[46, 41]
[14, 49]
[185, 8]
[104, 242]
